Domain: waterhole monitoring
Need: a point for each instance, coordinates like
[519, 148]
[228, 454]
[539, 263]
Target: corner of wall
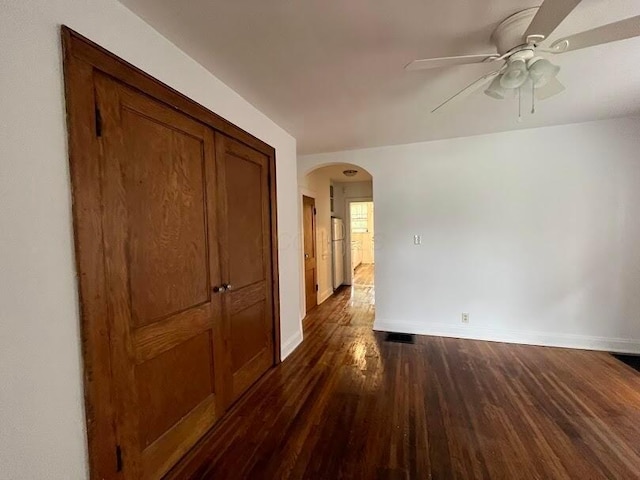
[324, 295]
[290, 344]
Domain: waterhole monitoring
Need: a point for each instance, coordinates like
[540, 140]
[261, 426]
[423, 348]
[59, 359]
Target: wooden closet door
[310, 264]
[159, 219]
[246, 267]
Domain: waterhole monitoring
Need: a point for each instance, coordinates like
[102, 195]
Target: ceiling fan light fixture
[541, 71]
[515, 75]
[495, 90]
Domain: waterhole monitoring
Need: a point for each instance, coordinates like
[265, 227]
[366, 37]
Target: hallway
[363, 292]
[364, 275]
[348, 404]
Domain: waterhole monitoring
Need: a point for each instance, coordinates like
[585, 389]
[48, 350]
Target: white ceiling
[335, 173]
[331, 71]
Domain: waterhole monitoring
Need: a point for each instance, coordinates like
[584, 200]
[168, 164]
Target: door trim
[81, 60]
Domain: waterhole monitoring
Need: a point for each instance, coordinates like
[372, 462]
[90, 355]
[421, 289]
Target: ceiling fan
[520, 64]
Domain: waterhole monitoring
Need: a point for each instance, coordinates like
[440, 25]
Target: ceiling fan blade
[553, 87]
[612, 32]
[428, 63]
[549, 16]
[468, 90]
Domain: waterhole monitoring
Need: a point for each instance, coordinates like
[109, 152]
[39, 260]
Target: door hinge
[98, 122]
[317, 288]
[315, 212]
[118, 458]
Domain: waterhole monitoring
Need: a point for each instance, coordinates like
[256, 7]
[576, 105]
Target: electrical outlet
[417, 239]
[465, 318]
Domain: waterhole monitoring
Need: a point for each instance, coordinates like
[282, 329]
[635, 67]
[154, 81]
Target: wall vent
[400, 338]
[632, 360]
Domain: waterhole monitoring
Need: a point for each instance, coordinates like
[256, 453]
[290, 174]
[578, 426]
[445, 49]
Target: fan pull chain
[533, 98]
[519, 104]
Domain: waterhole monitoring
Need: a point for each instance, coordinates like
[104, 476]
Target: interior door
[245, 243]
[159, 214]
[310, 266]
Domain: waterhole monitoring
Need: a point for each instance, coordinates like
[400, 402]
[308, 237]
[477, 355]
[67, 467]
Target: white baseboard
[322, 296]
[290, 344]
[583, 342]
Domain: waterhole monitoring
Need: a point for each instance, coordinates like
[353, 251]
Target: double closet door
[186, 228]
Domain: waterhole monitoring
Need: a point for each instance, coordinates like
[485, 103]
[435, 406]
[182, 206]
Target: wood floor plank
[349, 405]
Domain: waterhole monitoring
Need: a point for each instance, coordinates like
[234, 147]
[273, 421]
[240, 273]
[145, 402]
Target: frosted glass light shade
[541, 71]
[495, 90]
[515, 75]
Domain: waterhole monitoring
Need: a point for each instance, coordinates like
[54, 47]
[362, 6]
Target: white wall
[41, 409]
[534, 233]
[316, 185]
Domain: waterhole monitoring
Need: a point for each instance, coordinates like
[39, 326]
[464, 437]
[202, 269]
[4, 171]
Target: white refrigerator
[338, 251]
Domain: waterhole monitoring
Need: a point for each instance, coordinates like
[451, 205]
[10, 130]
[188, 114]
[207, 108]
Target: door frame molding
[81, 59]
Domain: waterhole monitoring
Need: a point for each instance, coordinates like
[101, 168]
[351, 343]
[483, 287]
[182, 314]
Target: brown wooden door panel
[244, 189]
[167, 372]
[246, 252]
[162, 455]
[310, 268]
[159, 212]
[165, 195]
[310, 289]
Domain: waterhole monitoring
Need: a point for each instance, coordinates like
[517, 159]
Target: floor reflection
[363, 289]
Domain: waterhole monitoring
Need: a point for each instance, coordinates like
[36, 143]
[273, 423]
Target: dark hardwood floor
[347, 404]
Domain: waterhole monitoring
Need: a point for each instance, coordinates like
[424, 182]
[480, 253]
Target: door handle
[306, 255]
[221, 289]
[226, 286]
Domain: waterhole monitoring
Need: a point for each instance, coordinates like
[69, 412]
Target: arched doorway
[337, 229]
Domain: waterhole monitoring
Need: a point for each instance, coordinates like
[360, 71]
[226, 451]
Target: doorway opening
[362, 243]
[338, 249]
